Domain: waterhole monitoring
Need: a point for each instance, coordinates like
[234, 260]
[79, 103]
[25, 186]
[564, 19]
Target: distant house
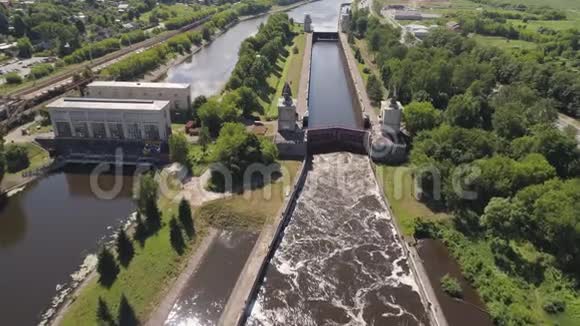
[129, 26]
[453, 26]
[122, 7]
[419, 31]
[9, 48]
[405, 14]
[396, 7]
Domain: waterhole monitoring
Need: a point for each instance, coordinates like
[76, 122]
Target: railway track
[99, 63]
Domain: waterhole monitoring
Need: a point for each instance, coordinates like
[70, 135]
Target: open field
[399, 189]
[502, 42]
[288, 70]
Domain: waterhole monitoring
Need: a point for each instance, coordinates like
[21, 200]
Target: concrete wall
[285, 219]
[328, 140]
[180, 97]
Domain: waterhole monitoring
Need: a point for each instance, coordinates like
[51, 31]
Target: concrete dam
[339, 260]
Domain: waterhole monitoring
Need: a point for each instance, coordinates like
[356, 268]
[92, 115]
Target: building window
[151, 132]
[116, 130]
[99, 130]
[63, 129]
[81, 130]
[133, 131]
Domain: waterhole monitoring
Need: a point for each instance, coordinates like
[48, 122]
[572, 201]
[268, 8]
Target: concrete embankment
[426, 290]
[239, 305]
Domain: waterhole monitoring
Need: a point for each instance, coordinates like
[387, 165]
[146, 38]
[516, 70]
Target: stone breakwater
[339, 262]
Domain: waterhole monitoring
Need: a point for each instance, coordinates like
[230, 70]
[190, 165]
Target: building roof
[103, 83]
[86, 103]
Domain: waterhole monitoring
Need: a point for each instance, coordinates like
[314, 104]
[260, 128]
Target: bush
[13, 78]
[41, 70]
[16, 158]
[451, 286]
[554, 305]
[366, 70]
[107, 268]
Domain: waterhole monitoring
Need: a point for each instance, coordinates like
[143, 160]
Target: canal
[46, 231]
[330, 100]
[208, 70]
[339, 261]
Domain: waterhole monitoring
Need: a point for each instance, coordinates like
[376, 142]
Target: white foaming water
[340, 261]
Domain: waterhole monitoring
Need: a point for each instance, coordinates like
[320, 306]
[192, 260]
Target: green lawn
[504, 43]
[150, 274]
[288, 67]
[534, 25]
[399, 189]
[37, 156]
[253, 208]
[156, 265]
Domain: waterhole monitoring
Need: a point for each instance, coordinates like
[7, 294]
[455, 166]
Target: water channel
[46, 231]
[208, 70]
[339, 261]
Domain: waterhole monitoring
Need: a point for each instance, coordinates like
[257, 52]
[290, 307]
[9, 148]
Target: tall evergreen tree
[125, 250]
[104, 316]
[140, 230]
[127, 316]
[107, 268]
[176, 237]
[153, 216]
[186, 218]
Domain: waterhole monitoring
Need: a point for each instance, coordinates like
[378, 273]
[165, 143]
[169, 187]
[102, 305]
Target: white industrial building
[110, 119]
[391, 116]
[178, 94]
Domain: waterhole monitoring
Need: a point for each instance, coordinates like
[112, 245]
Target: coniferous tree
[176, 237]
[140, 230]
[127, 316]
[153, 216]
[107, 268]
[104, 316]
[186, 218]
[125, 250]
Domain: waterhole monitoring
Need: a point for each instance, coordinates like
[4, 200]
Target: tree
[24, 47]
[125, 250]
[247, 101]
[464, 111]
[176, 237]
[127, 316]
[4, 23]
[419, 116]
[206, 33]
[147, 191]
[140, 230]
[16, 158]
[107, 268]
[178, 148]
[2, 159]
[204, 138]
[186, 218]
[153, 216]
[374, 89]
[451, 286]
[20, 25]
[13, 78]
[103, 314]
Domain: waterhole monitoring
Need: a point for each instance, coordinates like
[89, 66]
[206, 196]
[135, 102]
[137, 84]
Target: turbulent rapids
[339, 262]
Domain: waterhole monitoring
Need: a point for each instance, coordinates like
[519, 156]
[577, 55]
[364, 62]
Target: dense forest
[482, 123]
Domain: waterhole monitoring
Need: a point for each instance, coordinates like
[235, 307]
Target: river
[46, 231]
[208, 70]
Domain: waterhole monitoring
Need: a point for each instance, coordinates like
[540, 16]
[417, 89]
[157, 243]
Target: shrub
[41, 70]
[16, 158]
[451, 286]
[13, 78]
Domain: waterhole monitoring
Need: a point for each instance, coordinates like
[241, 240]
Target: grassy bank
[399, 188]
[156, 264]
[288, 69]
[37, 156]
[253, 208]
[144, 282]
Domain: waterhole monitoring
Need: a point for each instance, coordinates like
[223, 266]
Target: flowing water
[46, 231]
[202, 301]
[208, 70]
[339, 262]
